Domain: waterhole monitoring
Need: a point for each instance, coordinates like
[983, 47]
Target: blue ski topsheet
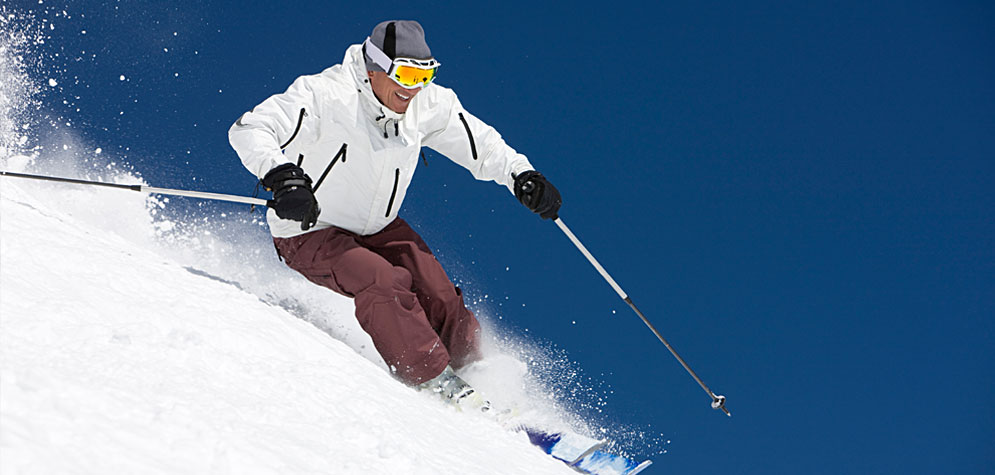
[604, 463]
[583, 453]
[565, 446]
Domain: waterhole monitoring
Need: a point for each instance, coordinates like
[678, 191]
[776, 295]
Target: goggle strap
[377, 55]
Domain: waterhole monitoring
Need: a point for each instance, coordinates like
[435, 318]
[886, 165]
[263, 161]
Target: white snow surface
[118, 357]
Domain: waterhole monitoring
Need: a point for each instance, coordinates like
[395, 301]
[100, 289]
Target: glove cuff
[286, 175]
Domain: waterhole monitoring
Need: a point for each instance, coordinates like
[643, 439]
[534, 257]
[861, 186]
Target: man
[338, 150]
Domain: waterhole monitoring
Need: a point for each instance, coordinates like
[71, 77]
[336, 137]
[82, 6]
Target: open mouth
[402, 96]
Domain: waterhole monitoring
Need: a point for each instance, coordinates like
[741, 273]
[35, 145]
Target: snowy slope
[117, 358]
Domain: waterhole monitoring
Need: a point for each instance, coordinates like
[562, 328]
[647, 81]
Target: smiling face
[390, 93]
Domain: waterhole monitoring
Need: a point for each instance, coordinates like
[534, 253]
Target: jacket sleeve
[260, 135]
[470, 142]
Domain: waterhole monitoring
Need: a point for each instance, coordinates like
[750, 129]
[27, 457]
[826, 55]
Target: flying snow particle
[98, 151]
[52, 82]
[122, 77]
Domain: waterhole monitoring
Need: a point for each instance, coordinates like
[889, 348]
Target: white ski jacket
[361, 155]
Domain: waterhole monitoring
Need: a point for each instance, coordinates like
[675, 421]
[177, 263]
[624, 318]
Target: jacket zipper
[300, 121]
[340, 154]
[473, 146]
[393, 194]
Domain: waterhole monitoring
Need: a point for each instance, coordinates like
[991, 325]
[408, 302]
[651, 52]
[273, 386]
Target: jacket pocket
[393, 194]
[473, 146]
[339, 155]
[300, 122]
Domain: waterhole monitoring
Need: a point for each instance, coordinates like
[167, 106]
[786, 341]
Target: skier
[338, 150]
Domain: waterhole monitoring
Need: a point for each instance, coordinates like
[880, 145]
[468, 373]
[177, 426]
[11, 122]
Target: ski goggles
[409, 73]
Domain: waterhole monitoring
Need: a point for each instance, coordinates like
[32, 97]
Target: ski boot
[452, 389]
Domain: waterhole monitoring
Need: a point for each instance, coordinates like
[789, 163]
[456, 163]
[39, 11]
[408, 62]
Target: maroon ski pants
[404, 300]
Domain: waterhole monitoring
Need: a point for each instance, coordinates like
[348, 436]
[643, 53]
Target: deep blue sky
[800, 197]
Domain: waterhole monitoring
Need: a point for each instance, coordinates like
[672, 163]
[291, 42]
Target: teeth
[402, 96]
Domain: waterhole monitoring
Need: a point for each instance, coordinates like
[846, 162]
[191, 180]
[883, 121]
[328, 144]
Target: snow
[117, 358]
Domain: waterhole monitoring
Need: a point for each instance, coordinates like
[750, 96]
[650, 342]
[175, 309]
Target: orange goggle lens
[410, 76]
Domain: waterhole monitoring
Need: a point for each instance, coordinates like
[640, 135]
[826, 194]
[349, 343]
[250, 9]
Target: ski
[580, 452]
[600, 462]
[567, 447]
[583, 453]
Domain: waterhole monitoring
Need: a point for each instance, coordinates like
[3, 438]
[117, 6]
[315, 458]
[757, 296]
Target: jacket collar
[355, 63]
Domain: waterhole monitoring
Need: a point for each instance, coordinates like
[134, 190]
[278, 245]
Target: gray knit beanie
[398, 39]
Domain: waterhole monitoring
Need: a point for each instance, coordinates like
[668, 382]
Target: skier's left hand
[538, 194]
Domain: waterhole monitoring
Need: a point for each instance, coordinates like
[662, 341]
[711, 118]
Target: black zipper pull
[393, 194]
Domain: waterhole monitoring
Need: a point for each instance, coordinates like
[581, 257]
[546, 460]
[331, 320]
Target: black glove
[538, 194]
[292, 195]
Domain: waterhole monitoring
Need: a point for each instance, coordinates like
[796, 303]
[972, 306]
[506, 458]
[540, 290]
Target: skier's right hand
[292, 195]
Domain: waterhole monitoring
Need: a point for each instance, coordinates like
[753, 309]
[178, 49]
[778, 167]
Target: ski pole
[145, 189]
[718, 402]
